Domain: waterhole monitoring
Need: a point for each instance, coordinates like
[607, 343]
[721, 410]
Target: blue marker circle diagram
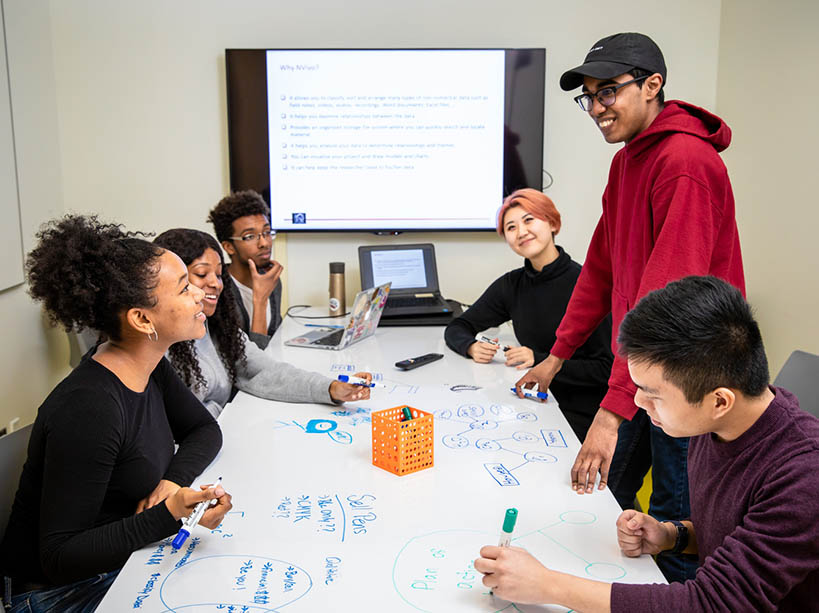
[251, 583]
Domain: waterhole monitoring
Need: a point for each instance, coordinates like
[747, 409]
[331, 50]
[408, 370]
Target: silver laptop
[414, 276]
[361, 323]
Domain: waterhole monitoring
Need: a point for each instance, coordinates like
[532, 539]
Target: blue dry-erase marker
[531, 394]
[358, 381]
[193, 519]
[323, 326]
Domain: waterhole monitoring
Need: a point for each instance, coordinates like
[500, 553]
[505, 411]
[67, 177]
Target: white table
[317, 527]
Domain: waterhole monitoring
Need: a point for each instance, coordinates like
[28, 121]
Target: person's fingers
[604, 473]
[141, 505]
[594, 468]
[252, 265]
[490, 551]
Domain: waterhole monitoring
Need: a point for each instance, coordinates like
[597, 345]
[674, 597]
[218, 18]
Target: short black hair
[234, 206]
[86, 273]
[702, 332]
[639, 72]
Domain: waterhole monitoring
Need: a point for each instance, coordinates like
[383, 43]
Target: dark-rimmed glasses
[254, 237]
[605, 95]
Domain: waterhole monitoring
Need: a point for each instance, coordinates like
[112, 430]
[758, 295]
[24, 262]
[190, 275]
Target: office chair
[800, 375]
[13, 449]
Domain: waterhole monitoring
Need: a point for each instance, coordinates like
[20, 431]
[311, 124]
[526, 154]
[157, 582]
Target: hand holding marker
[358, 381]
[192, 520]
[486, 339]
[508, 528]
[531, 393]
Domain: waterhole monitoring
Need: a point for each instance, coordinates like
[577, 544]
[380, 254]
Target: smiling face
[178, 313]
[666, 404]
[633, 110]
[205, 272]
[258, 250]
[527, 235]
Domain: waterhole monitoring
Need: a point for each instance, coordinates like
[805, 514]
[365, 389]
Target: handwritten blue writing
[241, 578]
[290, 578]
[191, 546]
[156, 555]
[145, 592]
[327, 520]
[284, 507]
[331, 565]
[262, 596]
[303, 508]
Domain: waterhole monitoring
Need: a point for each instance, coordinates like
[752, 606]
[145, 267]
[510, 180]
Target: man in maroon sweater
[696, 357]
[668, 212]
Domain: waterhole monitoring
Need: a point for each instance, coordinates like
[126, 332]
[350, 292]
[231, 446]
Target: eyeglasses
[247, 238]
[605, 96]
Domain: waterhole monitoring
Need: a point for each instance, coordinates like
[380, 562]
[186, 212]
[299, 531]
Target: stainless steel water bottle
[337, 291]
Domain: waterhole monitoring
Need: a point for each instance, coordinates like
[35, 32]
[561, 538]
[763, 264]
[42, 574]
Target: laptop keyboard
[330, 339]
[411, 301]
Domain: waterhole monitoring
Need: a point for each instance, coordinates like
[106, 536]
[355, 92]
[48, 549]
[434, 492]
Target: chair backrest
[800, 375]
[13, 448]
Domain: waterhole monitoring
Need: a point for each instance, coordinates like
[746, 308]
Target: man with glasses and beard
[668, 212]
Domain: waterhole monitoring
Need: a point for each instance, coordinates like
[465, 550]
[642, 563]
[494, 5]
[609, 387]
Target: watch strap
[681, 543]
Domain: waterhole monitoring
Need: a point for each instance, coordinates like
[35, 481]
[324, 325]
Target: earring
[153, 335]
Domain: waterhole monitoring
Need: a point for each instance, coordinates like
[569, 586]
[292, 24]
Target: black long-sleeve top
[97, 448]
[535, 302]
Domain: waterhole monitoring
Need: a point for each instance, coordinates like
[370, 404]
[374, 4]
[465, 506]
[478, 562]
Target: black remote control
[419, 361]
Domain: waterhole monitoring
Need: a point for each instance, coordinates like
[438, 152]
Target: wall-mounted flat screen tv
[385, 139]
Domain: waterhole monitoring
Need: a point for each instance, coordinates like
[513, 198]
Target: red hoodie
[668, 212]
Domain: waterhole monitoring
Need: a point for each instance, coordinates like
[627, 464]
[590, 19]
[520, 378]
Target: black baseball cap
[615, 55]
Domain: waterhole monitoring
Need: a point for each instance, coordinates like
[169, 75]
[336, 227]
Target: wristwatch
[682, 537]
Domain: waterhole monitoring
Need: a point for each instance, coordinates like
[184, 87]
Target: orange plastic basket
[402, 447]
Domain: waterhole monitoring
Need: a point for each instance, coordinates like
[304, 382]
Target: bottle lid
[336, 267]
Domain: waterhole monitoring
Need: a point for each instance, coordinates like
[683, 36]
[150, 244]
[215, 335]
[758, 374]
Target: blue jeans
[80, 597]
[642, 445]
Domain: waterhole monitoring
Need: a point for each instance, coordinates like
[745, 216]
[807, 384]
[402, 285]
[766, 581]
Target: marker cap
[509, 520]
[344, 378]
[181, 537]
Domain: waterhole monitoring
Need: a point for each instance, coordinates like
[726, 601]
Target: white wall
[767, 90]
[139, 134]
[141, 98]
[33, 356]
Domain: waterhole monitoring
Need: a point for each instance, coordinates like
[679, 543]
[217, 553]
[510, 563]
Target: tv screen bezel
[248, 151]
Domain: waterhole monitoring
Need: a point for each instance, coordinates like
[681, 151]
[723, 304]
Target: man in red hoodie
[668, 212]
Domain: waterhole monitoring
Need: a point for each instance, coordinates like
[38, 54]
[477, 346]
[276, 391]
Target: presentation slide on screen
[385, 139]
[403, 267]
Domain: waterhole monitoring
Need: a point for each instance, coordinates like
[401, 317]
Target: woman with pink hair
[534, 298]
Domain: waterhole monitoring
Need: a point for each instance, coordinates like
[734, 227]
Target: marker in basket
[407, 414]
[193, 519]
[486, 339]
[359, 381]
[508, 528]
[531, 393]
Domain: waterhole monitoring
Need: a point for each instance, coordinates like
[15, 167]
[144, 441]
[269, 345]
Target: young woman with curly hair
[224, 359]
[102, 478]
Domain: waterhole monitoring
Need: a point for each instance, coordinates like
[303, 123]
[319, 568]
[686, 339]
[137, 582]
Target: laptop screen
[404, 267]
[410, 268]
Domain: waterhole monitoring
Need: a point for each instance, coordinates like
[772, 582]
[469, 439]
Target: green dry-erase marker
[407, 413]
[508, 527]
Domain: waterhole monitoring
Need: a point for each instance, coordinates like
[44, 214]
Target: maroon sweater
[668, 212]
[755, 509]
